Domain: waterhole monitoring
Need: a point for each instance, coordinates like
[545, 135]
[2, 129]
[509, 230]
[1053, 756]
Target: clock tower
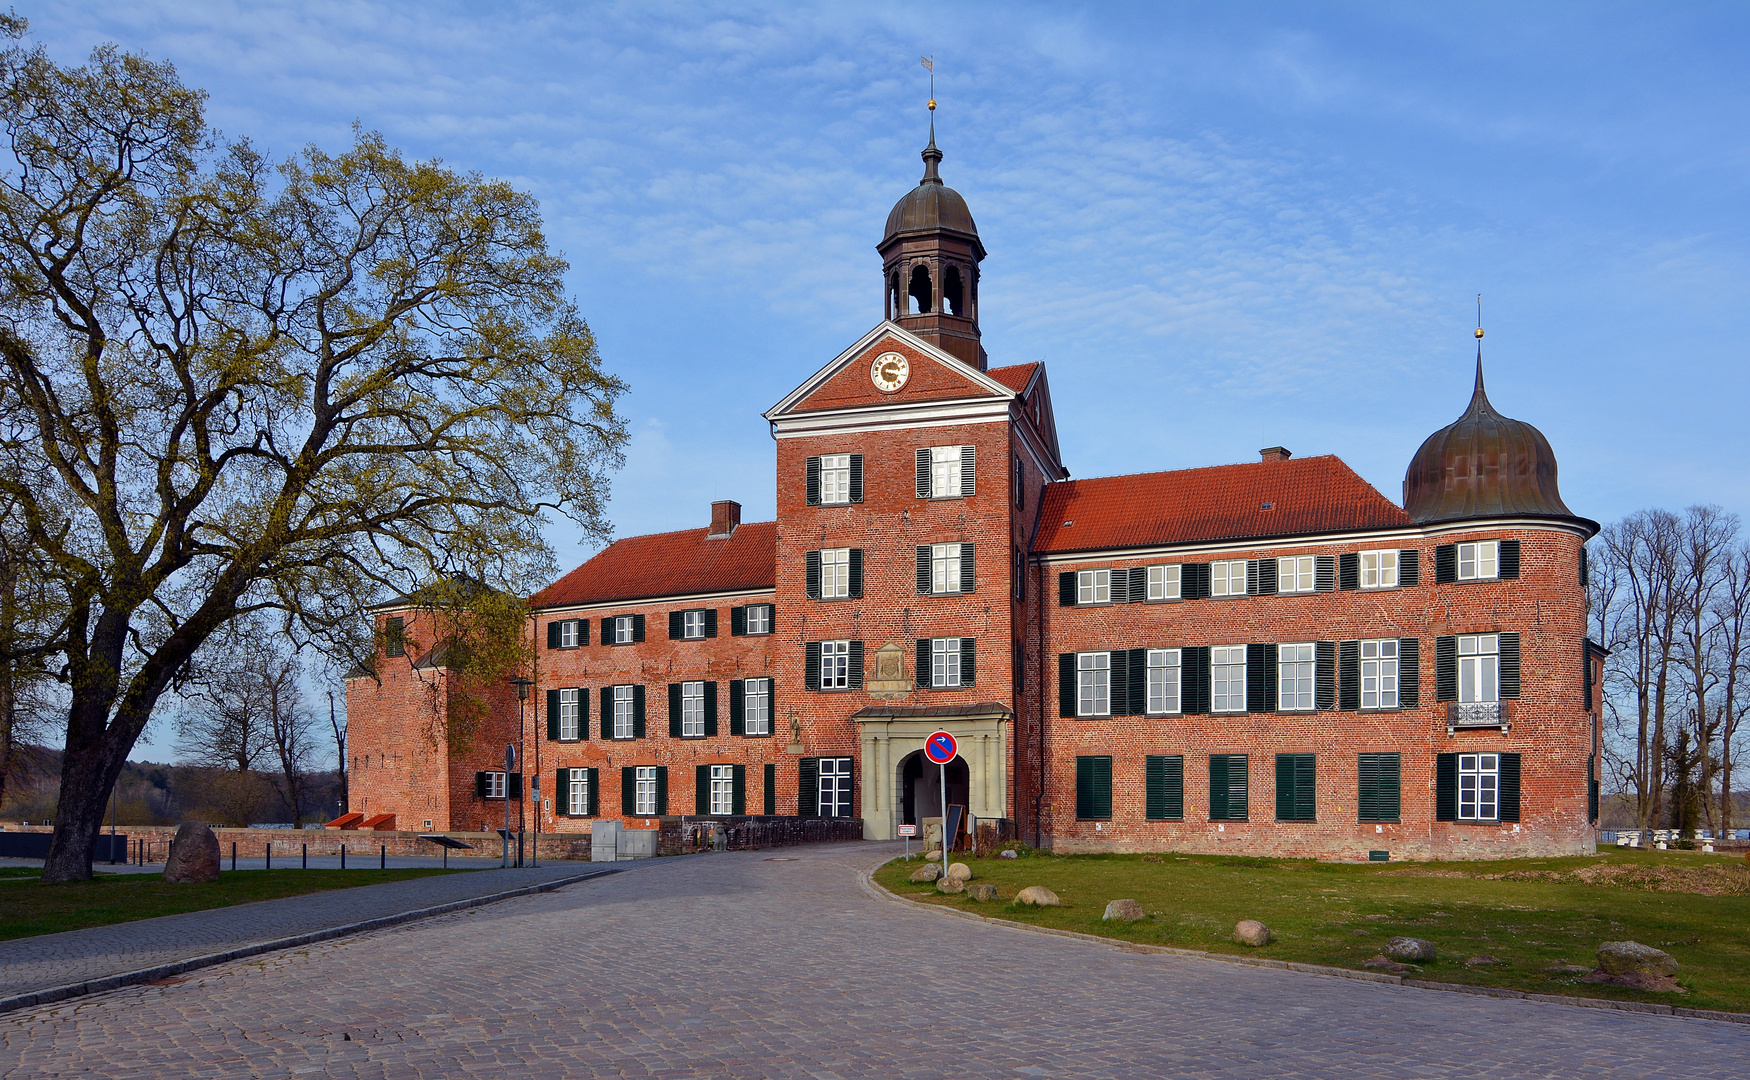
[929, 260]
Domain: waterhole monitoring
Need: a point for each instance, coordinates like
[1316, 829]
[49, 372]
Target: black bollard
[383, 863]
[306, 865]
[269, 850]
[233, 855]
[343, 856]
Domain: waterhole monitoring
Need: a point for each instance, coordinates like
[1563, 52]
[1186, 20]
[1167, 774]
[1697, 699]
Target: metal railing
[728, 833]
[1476, 713]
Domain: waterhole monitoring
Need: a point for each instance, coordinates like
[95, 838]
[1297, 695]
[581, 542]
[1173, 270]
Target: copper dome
[932, 206]
[1483, 465]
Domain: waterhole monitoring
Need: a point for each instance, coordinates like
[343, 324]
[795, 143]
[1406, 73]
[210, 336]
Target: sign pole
[944, 820]
[509, 764]
[940, 748]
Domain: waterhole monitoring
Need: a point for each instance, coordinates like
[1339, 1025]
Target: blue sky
[1222, 226]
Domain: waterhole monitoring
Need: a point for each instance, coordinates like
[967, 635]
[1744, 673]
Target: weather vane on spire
[929, 63]
[1479, 316]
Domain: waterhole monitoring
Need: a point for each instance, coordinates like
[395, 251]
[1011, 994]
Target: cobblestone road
[753, 965]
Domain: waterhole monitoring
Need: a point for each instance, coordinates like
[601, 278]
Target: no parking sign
[940, 748]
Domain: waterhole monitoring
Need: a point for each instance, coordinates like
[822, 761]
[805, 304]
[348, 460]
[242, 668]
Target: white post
[944, 821]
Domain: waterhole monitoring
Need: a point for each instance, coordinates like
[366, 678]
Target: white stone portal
[889, 737]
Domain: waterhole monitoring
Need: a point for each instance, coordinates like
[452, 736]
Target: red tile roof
[1224, 502]
[1015, 377]
[670, 564]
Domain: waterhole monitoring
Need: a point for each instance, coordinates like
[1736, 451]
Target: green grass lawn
[1531, 914]
[28, 907]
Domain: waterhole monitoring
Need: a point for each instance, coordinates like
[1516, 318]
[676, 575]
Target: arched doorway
[920, 787]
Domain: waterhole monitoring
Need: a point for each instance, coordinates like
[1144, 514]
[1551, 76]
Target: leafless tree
[338, 726]
[246, 703]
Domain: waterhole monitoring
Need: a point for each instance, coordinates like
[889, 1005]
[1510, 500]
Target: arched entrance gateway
[901, 788]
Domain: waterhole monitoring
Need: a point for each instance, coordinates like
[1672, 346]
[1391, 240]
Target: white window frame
[568, 634]
[1379, 569]
[945, 662]
[1094, 684]
[644, 791]
[497, 784]
[1479, 668]
[1093, 586]
[1479, 787]
[835, 573]
[764, 624]
[945, 472]
[569, 714]
[693, 625]
[1379, 674]
[1227, 577]
[1297, 677]
[945, 569]
[693, 709]
[835, 479]
[1227, 691]
[756, 706]
[622, 629]
[835, 665]
[833, 784]
[1482, 557]
[1297, 574]
[1163, 682]
[625, 722]
[1163, 582]
[722, 798]
[577, 792]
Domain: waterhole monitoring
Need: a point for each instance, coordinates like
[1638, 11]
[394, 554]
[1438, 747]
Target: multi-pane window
[577, 792]
[1479, 667]
[1379, 569]
[568, 714]
[692, 624]
[568, 634]
[622, 630]
[835, 573]
[759, 618]
[624, 723]
[945, 472]
[1163, 583]
[722, 789]
[835, 787]
[1294, 573]
[835, 478]
[1227, 676]
[644, 791]
[1479, 784]
[1163, 681]
[1295, 665]
[945, 661]
[944, 568]
[1093, 683]
[1227, 578]
[1093, 586]
[1379, 674]
[756, 706]
[835, 665]
[495, 785]
[692, 709]
[1479, 561]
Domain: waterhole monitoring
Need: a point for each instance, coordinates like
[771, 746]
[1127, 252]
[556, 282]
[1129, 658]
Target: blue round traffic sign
[940, 748]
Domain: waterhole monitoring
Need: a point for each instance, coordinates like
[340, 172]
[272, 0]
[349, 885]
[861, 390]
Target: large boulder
[1123, 911]
[1409, 950]
[1252, 932]
[961, 871]
[950, 884]
[984, 890]
[1037, 895]
[926, 873]
[194, 855]
[1633, 958]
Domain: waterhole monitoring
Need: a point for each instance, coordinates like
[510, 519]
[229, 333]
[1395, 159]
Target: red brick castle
[1266, 658]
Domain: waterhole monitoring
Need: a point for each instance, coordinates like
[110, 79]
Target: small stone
[1123, 911]
[934, 855]
[1038, 895]
[1357, 933]
[194, 855]
[1409, 950]
[1151, 858]
[1008, 855]
[926, 873]
[984, 891]
[1381, 963]
[950, 884]
[1483, 961]
[1252, 932]
[1567, 969]
[1628, 957]
[961, 871]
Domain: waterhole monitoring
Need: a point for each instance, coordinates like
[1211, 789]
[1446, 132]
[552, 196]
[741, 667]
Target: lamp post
[509, 764]
[522, 700]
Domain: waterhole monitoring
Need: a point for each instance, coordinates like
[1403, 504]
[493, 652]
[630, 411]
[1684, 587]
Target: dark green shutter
[480, 785]
[813, 481]
[607, 706]
[552, 716]
[702, 789]
[1348, 676]
[1591, 785]
[562, 793]
[738, 789]
[811, 666]
[856, 584]
[1238, 785]
[968, 569]
[1409, 568]
[1378, 794]
[1409, 673]
[607, 631]
[675, 626]
[674, 710]
[1252, 577]
[923, 473]
[1296, 787]
[1445, 564]
[968, 661]
[1366, 787]
[1093, 788]
[710, 710]
[808, 787]
[553, 635]
[1585, 575]
[1446, 787]
[926, 670]
[854, 677]
[661, 790]
[1349, 571]
[1509, 665]
[1194, 581]
[1267, 582]
[710, 622]
[811, 575]
[1138, 667]
[1324, 675]
[1194, 680]
[1066, 589]
[1259, 678]
[1118, 683]
[1218, 787]
[628, 790]
[1066, 684]
[592, 804]
[737, 706]
[1586, 672]
[1508, 559]
[1446, 668]
[924, 581]
[1165, 784]
[1509, 804]
[737, 621]
[638, 711]
[856, 479]
[637, 628]
[968, 471]
[770, 783]
[1324, 573]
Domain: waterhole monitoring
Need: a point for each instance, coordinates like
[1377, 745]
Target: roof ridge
[1205, 468]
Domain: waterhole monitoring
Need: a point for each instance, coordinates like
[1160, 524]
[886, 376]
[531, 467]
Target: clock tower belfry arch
[930, 253]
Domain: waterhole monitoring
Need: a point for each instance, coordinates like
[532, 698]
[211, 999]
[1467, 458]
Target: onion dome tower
[1483, 465]
[929, 263]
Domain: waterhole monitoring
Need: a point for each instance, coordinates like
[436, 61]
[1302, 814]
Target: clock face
[889, 372]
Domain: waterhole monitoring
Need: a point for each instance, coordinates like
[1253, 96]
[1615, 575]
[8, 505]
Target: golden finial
[929, 63]
[1479, 316]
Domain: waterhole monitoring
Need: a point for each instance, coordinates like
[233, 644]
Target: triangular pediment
[846, 383]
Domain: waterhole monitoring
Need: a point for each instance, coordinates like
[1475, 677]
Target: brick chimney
[725, 516]
[1275, 453]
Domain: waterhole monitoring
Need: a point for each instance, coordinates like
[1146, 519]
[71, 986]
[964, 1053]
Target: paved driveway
[736, 965]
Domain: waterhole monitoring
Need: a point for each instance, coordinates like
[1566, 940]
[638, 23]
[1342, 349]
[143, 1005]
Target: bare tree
[1639, 557]
[245, 704]
[338, 726]
[1707, 536]
[1733, 617]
